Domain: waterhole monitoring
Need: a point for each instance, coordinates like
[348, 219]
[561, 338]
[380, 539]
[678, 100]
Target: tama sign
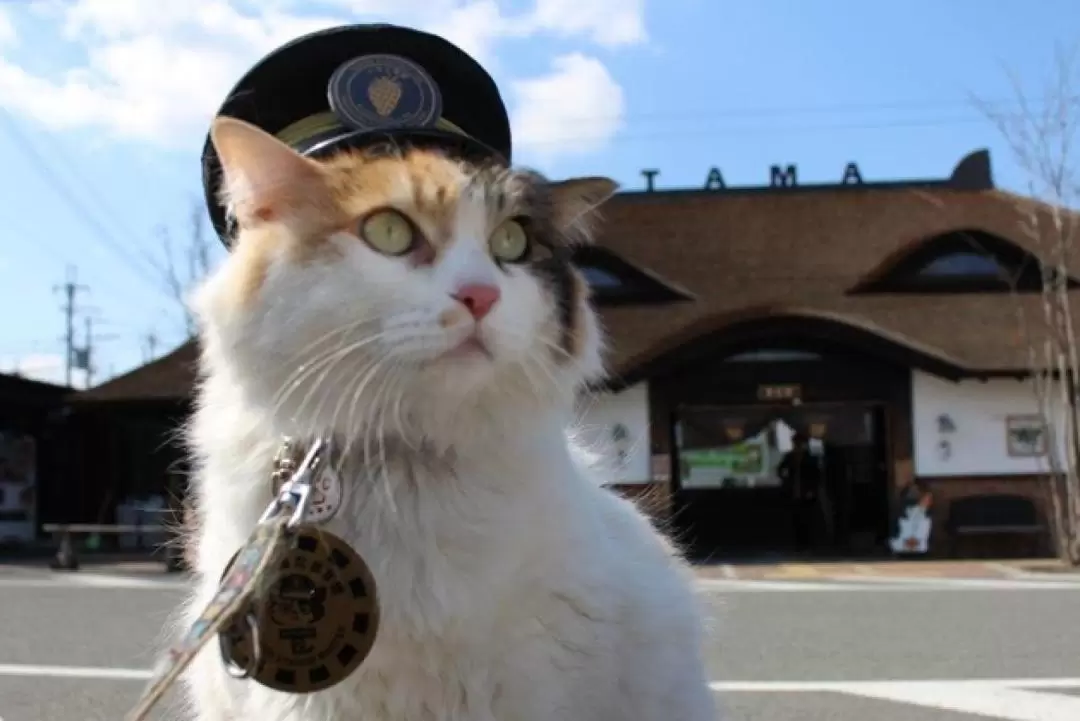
[973, 172]
[780, 176]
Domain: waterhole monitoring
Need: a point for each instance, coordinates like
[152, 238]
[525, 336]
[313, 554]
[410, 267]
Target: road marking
[839, 583]
[878, 585]
[93, 580]
[717, 584]
[1043, 684]
[83, 672]
[795, 570]
[981, 700]
[962, 583]
[979, 696]
[1014, 699]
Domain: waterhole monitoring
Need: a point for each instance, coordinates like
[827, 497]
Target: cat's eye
[388, 231]
[510, 242]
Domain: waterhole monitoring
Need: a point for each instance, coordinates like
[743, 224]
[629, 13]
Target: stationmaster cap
[357, 85]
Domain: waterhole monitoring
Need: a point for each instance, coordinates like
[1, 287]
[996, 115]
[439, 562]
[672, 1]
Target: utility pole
[88, 360]
[150, 348]
[70, 289]
[86, 356]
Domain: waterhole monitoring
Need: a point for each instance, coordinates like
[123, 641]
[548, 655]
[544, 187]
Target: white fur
[512, 586]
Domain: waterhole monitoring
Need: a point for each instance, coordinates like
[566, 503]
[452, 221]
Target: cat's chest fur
[483, 596]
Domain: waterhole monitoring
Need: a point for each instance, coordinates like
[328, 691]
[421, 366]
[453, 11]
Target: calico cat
[423, 312]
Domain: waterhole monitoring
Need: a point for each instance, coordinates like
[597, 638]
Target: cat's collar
[326, 490]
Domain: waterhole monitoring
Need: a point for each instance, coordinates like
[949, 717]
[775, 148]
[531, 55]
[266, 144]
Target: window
[961, 261]
[616, 281]
[772, 355]
[601, 279]
[964, 265]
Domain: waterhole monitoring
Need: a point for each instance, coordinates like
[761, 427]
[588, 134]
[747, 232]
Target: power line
[53, 179]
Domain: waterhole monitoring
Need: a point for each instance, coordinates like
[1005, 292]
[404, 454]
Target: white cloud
[474, 28]
[576, 108]
[8, 35]
[48, 367]
[154, 72]
[607, 22]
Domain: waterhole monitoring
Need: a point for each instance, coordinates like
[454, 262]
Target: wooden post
[66, 559]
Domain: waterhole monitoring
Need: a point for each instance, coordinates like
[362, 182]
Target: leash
[296, 608]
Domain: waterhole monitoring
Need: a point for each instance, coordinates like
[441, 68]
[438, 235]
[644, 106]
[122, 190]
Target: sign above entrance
[782, 392]
[971, 173]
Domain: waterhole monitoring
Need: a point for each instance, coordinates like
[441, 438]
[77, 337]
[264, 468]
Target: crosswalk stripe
[1008, 704]
[869, 686]
[883, 585]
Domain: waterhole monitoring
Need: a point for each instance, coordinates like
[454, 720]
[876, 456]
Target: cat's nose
[477, 298]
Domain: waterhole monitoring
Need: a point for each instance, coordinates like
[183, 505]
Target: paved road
[75, 647]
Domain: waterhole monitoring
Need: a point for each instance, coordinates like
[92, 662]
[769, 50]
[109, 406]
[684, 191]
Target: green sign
[740, 459]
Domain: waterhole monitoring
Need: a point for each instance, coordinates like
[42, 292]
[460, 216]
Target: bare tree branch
[180, 266]
[1042, 141]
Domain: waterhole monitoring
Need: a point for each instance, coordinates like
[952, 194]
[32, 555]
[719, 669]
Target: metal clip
[295, 493]
[231, 667]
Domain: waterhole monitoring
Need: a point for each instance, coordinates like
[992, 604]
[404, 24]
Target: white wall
[978, 410]
[630, 457]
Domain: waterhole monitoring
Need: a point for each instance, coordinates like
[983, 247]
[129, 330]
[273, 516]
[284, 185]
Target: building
[122, 449]
[30, 420]
[880, 319]
[870, 316]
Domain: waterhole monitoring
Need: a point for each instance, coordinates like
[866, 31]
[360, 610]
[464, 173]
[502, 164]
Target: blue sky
[106, 103]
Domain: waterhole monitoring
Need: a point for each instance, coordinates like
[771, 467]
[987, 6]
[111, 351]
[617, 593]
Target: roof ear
[575, 201]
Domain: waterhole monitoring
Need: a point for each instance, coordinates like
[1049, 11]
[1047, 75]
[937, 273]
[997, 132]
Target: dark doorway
[734, 490]
[847, 388]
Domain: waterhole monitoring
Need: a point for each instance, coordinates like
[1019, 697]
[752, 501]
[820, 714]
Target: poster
[717, 467]
[18, 486]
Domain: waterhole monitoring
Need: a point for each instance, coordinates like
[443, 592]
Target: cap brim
[460, 146]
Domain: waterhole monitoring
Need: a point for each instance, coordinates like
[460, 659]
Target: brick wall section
[655, 501]
[950, 488]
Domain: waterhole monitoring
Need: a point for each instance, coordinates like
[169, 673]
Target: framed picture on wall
[1025, 436]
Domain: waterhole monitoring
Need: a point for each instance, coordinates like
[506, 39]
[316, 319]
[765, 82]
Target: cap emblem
[382, 92]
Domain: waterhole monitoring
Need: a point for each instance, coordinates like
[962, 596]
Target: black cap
[356, 85]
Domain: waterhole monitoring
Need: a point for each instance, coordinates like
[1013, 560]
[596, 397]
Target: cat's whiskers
[341, 330]
[400, 386]
[305, 356]
[356, 426]
[536, 359]
[374, 430]
[344, 397]
[328, 362]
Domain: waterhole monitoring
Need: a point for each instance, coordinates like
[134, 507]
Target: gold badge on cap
[383, 92]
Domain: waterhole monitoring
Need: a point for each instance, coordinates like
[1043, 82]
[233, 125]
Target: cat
[454, 338]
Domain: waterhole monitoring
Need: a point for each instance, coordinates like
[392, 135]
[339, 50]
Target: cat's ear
[263, 178]
[575, 200]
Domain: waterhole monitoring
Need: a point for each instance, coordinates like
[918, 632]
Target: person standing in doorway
[800, 474]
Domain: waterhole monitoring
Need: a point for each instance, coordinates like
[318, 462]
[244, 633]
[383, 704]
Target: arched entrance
[735, 401]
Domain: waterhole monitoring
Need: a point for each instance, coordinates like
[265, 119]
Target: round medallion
[316, 624]
[380, 92]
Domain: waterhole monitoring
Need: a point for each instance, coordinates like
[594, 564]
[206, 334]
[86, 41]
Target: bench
[993, 515]
[66, 558]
